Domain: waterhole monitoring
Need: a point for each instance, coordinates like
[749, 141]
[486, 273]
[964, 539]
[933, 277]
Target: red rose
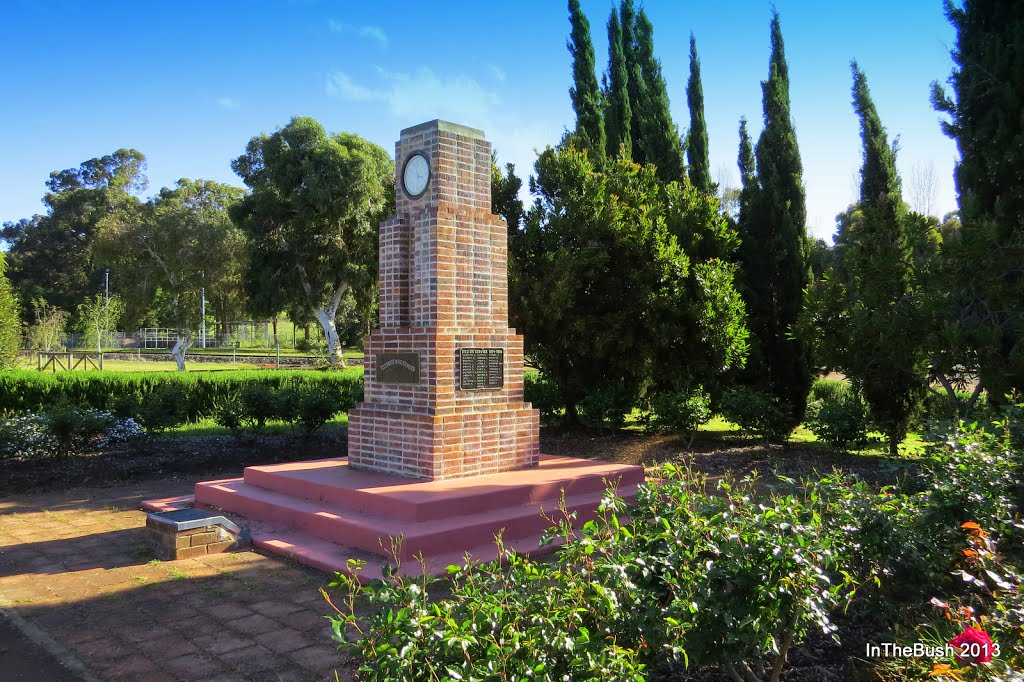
[975, 644]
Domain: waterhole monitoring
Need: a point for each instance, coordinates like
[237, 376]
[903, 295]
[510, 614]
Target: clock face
[416, 175]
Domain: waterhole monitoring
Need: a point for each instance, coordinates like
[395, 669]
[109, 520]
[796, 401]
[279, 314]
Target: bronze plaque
[481, 368]
[398, 368]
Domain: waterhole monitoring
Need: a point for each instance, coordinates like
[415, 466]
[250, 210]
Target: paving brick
[226, 611]
[223, 642]
[274, 608]
[195, 667]
[168, 647]
[133, 667]
[102, 649]
[317, 658]
[254, 659]
[198, 626]
[284, 640]
[253, 625]
[289, 674]
[304, 621]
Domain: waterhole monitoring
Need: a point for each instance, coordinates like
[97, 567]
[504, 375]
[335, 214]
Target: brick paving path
[76, 565]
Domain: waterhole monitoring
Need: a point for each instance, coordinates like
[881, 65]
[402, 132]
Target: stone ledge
[187, 533]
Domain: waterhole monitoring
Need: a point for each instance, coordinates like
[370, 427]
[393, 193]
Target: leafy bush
[606, 407]
[937, 408]
[681, 575]
[315, 406]
[76, 428]
[162, 409]
[839, 416]
[755, 412]
[681, 411]
[247, 414]
[24, 391]
[973, 472]
[543, 395]
[26, 437]
[827, 388]
[62, 431]
[987, 611]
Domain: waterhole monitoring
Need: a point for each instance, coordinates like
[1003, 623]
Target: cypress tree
[659, 137]
[883, 353]
[634, 81]
[586, 98]
[774, 252]
[618, 115]
[697, 142]
[748, 175]
[986, 122]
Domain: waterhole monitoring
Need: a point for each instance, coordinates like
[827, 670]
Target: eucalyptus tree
[312, 218]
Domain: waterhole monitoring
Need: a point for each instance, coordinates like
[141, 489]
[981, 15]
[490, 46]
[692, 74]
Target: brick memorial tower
[443, 372]
[443, 451]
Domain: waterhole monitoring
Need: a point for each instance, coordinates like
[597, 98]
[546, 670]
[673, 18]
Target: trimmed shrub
[681, 411]
[755, 412]
[823, 389]
[839, 415]
[24, 391]
[315, 407]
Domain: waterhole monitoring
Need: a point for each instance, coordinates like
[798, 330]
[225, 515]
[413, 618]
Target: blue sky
[189, 83]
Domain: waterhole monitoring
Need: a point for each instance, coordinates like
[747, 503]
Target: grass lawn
[171, 366]
[912, 447]
[156, 366]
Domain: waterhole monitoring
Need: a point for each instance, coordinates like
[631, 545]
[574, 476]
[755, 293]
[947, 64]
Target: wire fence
[246, 334]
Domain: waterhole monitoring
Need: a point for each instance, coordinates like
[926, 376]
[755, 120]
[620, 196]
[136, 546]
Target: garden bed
[196, 456]
[162, 458]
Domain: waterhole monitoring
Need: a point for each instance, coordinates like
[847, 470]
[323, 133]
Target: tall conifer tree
[659, 136]
[883, 354]
[747, 164]
[586, 98]
[634, 82]
[774, 252]
[618, 115]
[697, 140]
[988, 126]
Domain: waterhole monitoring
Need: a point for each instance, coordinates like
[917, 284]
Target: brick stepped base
[323, 512]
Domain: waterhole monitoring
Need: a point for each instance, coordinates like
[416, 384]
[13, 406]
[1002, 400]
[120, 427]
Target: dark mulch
[721, 455]
[165, 457]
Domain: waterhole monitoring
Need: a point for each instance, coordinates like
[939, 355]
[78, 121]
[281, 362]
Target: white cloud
[497, 72]
[374, 32]
[227, 102]
[341, 85]
[371, 32]
[422, 95]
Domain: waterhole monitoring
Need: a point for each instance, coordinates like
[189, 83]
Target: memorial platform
[323, 512]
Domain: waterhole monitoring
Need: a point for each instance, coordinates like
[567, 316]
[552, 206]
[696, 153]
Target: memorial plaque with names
[481, 368]
[398, 368]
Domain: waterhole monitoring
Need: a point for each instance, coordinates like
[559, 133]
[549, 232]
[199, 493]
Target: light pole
[202, 313]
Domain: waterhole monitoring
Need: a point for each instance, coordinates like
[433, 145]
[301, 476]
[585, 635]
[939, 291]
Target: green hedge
[24, 391]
